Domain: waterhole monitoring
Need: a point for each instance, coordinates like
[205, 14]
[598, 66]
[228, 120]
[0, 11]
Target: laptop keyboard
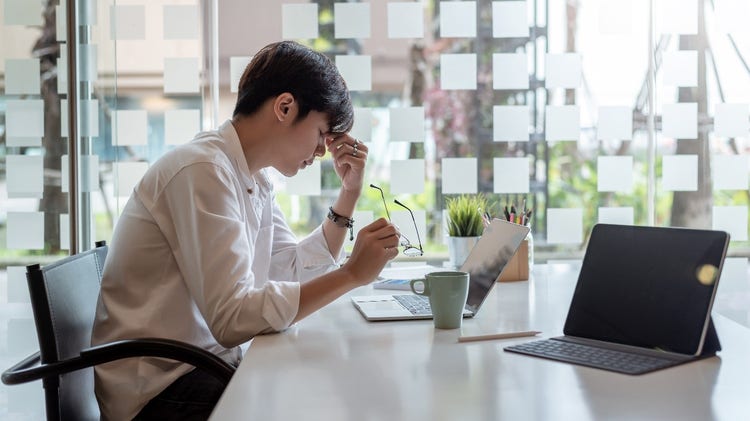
[416, 304]
[590, 356]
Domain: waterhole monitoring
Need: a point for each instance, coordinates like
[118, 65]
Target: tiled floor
[18, 335]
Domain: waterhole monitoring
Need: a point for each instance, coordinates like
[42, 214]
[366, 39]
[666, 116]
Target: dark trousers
[191, 397]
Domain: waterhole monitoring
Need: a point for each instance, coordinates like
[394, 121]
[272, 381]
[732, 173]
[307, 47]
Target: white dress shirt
[200, 254]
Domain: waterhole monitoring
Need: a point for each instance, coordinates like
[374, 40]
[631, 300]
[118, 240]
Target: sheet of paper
[407, 124]
[732, 219]
[181, 126]
[619, 215]
[181, 75]
[733, 277]
[510, 19]
[407, 176]
[405, 20]
[128, 22]
[615, 173]
[22, 12]
[511, 123]
[615, 123]
[25, 176]
[563, 71]
[356, 71]
[510, 71]
[24, 118]
[564, 225]
[730, 172]
[306, 182]
[679, 173]
[458, 19]
[459, 175]
[25, 230]
[299, 21]
[351, 20]
[458, 71]
[22, 76]
[130, 128]
[563, 122]
[680, 121]
[181, 21]
[511, 175]
[731, 120]
[362, 129]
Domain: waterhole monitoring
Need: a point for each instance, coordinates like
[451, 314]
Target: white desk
[336, 366]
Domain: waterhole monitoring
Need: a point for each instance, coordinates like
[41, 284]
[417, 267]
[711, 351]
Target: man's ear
[285, 107]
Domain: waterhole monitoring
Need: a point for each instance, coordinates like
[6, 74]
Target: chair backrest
[63, 297]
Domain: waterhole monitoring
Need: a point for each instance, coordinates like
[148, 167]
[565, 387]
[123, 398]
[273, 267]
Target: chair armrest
[128, 348]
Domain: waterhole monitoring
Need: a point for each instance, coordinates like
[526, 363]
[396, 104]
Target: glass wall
[584, 111]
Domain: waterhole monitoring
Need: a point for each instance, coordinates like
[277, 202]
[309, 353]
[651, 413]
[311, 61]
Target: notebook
[642, 302]
[486, 261]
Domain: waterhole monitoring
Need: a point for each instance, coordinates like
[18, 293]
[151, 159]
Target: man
[201, 252]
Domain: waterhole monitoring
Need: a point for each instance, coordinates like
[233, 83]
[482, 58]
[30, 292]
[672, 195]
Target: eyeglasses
[409, 249]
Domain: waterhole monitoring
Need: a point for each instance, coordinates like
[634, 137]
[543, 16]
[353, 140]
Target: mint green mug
[447, 292]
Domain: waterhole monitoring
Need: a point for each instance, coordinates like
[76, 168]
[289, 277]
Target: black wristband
[342, 221]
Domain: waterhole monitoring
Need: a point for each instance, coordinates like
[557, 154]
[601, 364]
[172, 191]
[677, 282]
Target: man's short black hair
[308, 75]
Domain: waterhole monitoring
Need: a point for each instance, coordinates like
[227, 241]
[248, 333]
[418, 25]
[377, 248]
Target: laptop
[486, 261]
[642, 302]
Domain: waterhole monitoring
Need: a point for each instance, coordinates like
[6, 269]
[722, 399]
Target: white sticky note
[618, 216]
[22, 338]
[563, 122]
[361, 220]
[181, 126]
[458, 71]
[405, 20]
[23, 12]
[25, 230]
[615, 123]
[458, 19]
[677, 17]
[731, 17]
[89, 174]
[18, 290]
[680, 173]
[306, 182]
[732, 219]
[731, 120]
[509, 19]
[402, 219]
[564, 225]
[511, 175]
[356, 71]
[181, 75]
[22, 76]
[351, 20]
[679, 68]
[89, 117]
[511, 123]
[64, 231]
[615, 173]
[299, 21]
[730, 172]
[680, 121]
[62, 70]
[459, 175]
[23, 141]
[510, 71]
[407, 124]
[237, 67]
[88, 71]
[128, 22]
[563, 71]
[24, 118]
[181, 21]
[25, 176]
[130, 127]
[407, 176]
[734, 276]
[362, 128]
[128, 174]
[615, 17]
[61, 26]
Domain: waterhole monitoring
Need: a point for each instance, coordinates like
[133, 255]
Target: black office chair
[63, 298]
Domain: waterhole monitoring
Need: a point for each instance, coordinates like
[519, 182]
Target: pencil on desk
[507, 335]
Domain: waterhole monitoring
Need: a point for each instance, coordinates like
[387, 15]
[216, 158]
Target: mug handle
[425, 291]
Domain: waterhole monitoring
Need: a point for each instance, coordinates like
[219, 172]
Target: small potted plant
[465, 225]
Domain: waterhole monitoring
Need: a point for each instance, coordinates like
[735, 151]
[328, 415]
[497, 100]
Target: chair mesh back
[64, 296]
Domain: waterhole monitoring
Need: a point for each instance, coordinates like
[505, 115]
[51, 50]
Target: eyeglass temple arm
[413, 220]
[382, 196]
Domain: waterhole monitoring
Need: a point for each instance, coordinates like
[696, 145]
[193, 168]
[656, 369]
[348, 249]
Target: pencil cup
[447, 292]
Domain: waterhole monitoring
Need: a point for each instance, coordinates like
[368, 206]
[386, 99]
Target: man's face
[304, 141]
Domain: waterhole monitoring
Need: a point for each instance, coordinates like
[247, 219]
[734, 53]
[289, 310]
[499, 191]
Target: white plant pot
[459, 248]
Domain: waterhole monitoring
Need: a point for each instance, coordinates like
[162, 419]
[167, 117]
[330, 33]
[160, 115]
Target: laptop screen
[488, 258]
[647, 286]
